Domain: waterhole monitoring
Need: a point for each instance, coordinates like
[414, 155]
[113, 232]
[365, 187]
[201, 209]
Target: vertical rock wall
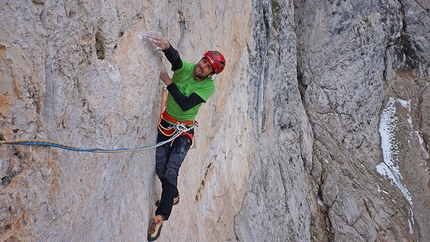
[350, 56]
[277, 207]
[81, 73]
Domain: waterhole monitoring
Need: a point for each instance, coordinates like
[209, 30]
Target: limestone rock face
[354, 57]
[318, 129]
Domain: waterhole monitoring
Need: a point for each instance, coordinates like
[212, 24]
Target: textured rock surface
[286, 150]
[353, 56]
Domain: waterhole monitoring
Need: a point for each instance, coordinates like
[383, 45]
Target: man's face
[202, 70]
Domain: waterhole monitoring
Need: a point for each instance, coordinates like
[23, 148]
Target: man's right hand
[164, 77]
[158, 40]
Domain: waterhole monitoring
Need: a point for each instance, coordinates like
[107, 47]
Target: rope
[179, 130]
[178, 127]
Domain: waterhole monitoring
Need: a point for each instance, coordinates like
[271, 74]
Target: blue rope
[180, 129]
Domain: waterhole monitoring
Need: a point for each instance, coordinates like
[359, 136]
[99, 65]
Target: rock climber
[190, 86]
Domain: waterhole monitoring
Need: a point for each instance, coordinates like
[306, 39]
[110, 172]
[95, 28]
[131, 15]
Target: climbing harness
[175, 130]
[171, 130]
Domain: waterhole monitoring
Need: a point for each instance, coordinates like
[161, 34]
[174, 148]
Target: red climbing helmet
[216, 59]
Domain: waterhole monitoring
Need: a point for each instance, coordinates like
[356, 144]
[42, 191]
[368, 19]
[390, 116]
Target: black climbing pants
[169, 158]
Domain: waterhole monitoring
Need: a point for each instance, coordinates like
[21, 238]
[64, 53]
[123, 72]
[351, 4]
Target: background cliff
[318, 129]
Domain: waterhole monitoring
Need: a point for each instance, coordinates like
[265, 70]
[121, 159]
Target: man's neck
[197, 78]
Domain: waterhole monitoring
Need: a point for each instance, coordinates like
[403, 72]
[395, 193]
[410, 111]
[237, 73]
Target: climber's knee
[160, 172]
[171, 176]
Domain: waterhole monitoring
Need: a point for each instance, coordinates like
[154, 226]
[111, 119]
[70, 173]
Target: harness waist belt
[166, 116]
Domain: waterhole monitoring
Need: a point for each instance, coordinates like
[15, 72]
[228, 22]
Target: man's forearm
[183, 101]
[173, 56]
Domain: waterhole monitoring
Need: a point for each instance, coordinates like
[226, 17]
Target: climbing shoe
[154, 228]
[175, 201]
